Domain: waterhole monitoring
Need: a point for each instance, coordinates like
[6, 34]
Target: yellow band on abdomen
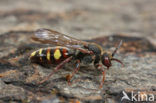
[33, 54]
[57, 54]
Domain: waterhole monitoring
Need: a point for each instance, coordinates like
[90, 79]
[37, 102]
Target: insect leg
[68, 77]
[81, 49]
[85, 51]
[101, 68]
[56, 69]
[103, 79]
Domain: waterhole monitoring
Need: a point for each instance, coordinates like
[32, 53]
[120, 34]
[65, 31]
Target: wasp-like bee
[70, 49]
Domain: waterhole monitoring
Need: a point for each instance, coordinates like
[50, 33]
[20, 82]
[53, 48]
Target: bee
[69, 49]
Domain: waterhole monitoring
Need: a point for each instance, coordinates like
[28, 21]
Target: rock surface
[102, 22]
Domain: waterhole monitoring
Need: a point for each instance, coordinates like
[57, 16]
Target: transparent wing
[48, 36]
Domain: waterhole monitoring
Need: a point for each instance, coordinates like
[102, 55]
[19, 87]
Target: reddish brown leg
[56, 69]
[68, 77]
[85, 51]
[101, 68]
[103, 79]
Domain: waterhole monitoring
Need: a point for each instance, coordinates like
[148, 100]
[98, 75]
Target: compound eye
[106, 60]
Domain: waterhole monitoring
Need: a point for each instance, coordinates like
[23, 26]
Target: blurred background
[80, 18]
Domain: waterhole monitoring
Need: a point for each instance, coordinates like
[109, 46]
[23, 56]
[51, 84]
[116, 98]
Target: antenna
[117, 48]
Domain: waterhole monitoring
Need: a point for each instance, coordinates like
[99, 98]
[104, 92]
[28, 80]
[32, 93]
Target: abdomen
[52, 55]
